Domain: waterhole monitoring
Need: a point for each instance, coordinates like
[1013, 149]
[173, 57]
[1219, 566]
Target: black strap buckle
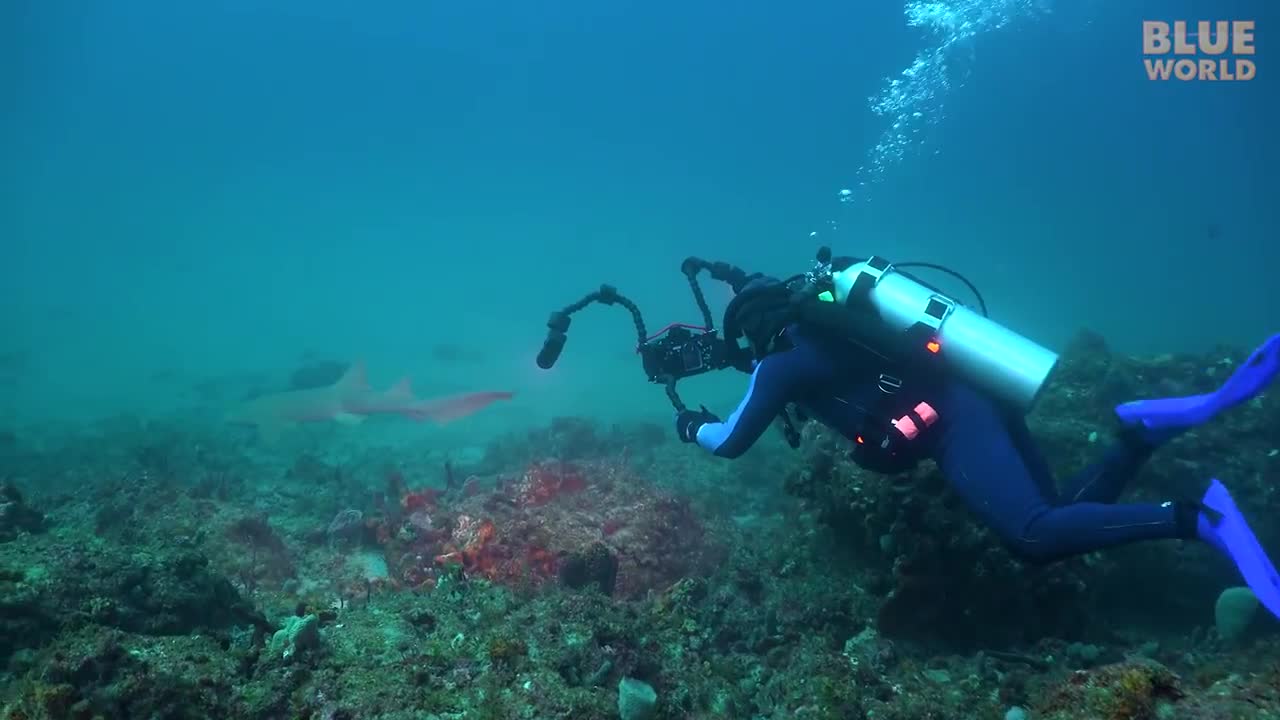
[888, 384]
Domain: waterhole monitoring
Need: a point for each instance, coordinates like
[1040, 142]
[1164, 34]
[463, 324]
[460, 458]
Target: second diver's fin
[1231, 534]
[1165, 418]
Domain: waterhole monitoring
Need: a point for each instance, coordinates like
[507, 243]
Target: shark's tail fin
[443, 410]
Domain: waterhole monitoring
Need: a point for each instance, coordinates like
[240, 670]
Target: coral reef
[16, 517]
[166, 569]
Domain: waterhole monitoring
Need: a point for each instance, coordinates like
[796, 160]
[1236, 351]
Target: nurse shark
[350, 400]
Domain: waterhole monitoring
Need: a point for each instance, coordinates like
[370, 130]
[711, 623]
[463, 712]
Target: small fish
[350, 400]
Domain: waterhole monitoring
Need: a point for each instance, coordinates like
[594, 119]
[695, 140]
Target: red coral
[424, 499]
[542, 561]
[545, 481]
[472, 546]
[519, 531]
[416, 571]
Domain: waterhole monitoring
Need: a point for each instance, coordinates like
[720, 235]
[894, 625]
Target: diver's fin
[1165, 418]
[1232, 535]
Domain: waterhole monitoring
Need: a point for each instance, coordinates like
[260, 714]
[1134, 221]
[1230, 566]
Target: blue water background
[195, 190]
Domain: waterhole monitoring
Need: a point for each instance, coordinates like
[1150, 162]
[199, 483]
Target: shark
[350, 400]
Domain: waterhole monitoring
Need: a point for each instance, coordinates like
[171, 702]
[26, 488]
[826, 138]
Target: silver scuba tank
[995, 359]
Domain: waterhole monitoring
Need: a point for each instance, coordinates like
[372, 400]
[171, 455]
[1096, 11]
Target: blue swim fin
[1231, 534]
[1163, 419]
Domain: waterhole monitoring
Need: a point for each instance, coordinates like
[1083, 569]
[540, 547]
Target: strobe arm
[736, 277]
[558, 324]
[722, 271]
[677, 351]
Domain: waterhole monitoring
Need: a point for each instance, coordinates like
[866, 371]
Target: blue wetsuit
[988, 457]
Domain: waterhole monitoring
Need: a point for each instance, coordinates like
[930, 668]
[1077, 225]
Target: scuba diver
[908, 374]
[896, 417]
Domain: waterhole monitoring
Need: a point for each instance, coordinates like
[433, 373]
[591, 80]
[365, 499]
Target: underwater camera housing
[678, 350]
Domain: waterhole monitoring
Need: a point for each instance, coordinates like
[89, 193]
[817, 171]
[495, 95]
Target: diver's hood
[759, 313]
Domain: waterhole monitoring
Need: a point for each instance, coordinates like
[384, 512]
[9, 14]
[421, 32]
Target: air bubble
[915, 99]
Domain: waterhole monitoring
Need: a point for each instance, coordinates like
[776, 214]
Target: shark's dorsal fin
[402, 389]
[354, 378]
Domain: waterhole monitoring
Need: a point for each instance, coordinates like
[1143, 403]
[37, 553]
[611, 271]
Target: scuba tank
[998, 361]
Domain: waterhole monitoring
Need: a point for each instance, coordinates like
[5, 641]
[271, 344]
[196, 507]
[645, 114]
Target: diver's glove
[688, 422]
